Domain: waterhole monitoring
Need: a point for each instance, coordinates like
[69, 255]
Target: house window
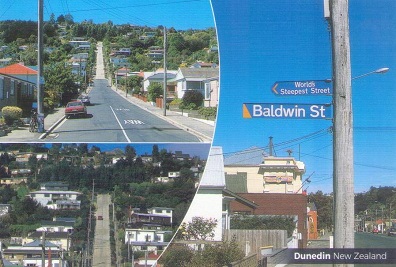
[12, 90]
[1, 88]
[208, 91]
[46, 195]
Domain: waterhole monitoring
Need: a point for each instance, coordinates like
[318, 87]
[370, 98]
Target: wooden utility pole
[343, 185]
[40, 50]
[165, 83]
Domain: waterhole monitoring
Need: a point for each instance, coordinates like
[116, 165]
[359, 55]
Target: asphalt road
[101, 247]
[111, 118]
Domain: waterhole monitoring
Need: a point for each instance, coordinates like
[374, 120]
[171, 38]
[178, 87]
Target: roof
[158, 76]
[200, 73]
[37, 243]
[50, 235]
[252, 156]
[55, 192]
[18, 69]
[213, 175]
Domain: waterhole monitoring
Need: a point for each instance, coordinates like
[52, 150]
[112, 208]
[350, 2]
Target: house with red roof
[17, 86]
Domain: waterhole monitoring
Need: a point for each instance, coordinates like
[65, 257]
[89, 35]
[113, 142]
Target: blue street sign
[303, 88]
[286, 111]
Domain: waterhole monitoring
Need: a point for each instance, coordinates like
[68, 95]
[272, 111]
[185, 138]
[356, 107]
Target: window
[208, 91]
[1, 88]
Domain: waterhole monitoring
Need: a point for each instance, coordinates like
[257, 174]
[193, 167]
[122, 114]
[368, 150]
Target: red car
[75, 108]
[375, 231]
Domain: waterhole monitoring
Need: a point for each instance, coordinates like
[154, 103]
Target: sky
[264, 42]
[179, 14]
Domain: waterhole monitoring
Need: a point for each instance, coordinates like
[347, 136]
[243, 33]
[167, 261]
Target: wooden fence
[254, 241]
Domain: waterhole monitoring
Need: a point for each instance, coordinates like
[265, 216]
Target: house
[78, 64]
[4, 209]
[211, 97]
[123, 52]
[30, 254]
[17, 86]
[139, 219]
[119, 61]
[166, 212]
[195, 79]
[54, 185]
[147, 35]
[200, 64]
[5, 61]
[56, 226]
[209, 202]
[80, 44]
[57, 199]
[13, 180]
[278, 204]
[146, 239]
[156, 53]
[254, 171]
[61, 239]
[158, 77]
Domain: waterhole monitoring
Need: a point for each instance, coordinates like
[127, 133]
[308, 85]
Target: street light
[378, 71]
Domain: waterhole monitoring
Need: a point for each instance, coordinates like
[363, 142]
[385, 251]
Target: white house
[209, 202]
[146, 239]
[195, 79]
[57, 199]
[30, 254]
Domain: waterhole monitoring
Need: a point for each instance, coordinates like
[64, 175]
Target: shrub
[154, 91]
[11, 113]
[192, 97]
[209, 112]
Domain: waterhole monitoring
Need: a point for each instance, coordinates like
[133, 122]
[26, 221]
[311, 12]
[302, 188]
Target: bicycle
[33, 122]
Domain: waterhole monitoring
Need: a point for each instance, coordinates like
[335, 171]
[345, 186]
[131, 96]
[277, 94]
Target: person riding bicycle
[33, 120]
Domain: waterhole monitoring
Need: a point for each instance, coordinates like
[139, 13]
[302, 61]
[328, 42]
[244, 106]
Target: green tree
[154, 91]
[199, 228]
[60, 84]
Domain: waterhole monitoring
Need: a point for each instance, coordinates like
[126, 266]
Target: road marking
[122, 109]
[133, 122]
[119, 123]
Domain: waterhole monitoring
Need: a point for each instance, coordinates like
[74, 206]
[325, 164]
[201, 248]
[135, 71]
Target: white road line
[119, 123]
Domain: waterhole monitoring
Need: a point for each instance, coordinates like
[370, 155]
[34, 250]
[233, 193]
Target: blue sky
[180, 14]
[261, 42]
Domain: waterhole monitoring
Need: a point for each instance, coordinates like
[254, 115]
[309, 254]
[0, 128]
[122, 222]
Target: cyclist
[33, 121]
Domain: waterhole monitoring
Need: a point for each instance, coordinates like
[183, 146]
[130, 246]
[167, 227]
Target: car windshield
[74, 104]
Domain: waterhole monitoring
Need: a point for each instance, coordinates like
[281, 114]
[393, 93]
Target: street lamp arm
[378, 71]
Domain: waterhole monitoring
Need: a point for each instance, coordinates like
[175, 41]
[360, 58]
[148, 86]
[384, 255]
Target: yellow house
[268, 174]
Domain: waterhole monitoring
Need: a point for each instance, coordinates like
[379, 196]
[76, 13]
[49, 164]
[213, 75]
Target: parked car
[100, 217]
[391, 231]
[75, 108]
[375, 231]
[85, 99]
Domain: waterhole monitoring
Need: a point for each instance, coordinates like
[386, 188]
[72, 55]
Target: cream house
[264, 173]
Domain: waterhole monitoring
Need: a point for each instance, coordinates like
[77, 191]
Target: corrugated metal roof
[249, 157]
[213, 175]
[202, 73]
